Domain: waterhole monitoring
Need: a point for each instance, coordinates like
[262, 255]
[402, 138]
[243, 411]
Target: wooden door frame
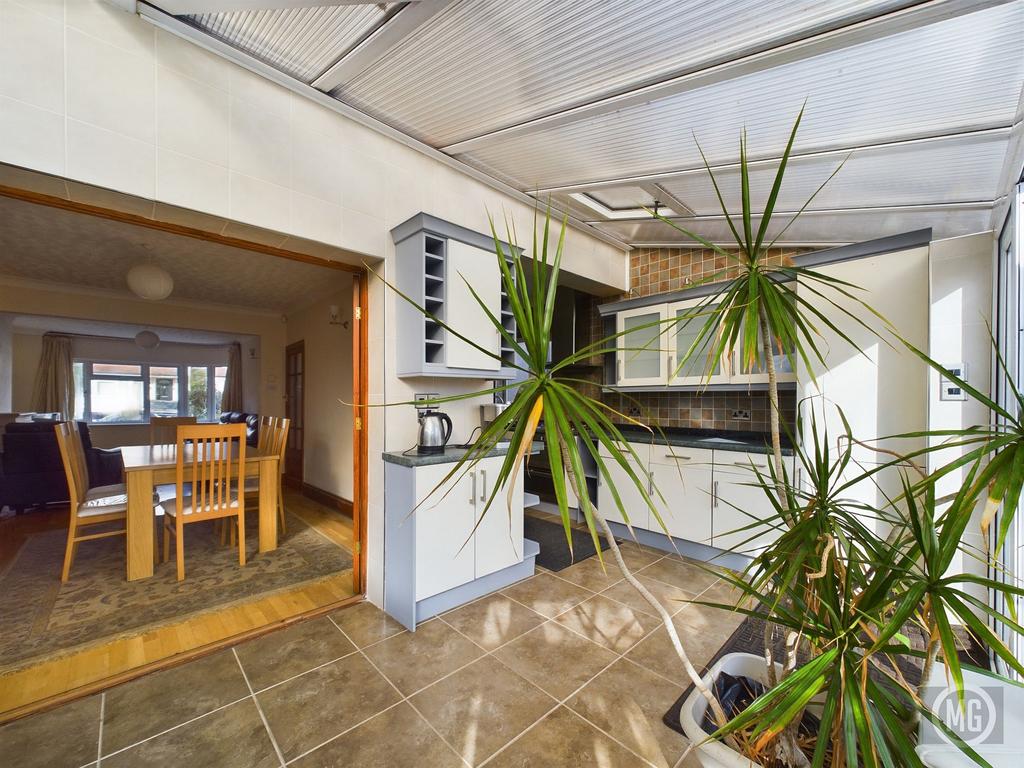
[360, 426]
[289, 350]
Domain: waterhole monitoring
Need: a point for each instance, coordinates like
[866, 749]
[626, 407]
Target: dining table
[147, 466]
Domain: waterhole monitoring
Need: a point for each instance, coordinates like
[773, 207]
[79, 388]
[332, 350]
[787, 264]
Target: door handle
[483, 478]
[472, 491]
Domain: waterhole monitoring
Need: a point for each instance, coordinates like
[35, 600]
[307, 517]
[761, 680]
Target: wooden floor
[26, 690]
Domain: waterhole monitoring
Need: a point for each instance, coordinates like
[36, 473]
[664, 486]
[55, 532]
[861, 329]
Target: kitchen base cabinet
[739, 502]
[436, 557]
[630, 496]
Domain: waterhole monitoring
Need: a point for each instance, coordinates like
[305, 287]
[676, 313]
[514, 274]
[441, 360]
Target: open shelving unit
[433, 298]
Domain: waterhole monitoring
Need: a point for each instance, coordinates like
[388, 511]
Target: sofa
[31, 471]
[251, 421]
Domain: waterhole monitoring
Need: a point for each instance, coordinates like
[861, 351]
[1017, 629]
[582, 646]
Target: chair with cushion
[215, 461]
[89, 506]
[273, 438]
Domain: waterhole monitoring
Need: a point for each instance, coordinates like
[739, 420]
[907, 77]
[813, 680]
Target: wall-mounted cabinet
[437, 263]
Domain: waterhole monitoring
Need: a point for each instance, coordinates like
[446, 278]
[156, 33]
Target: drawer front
[672, 455]
[642, 451]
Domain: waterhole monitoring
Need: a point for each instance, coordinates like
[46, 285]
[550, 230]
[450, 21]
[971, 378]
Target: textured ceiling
[42, 243]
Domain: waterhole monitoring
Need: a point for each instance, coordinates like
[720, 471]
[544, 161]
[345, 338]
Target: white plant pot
[714, 753]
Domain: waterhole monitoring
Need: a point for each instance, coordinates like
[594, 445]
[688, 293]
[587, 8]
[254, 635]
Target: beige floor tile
[547, 595]
[638, 556]
[394, 738]
[613, 625]
[161, 700]
[628, 702]
[493, 620]
[557, 660]
[482, 707]
[657, 654]
[233, 737]
[589, 574]
[705, 618]
[672, 598]
[681, 573]
[565, 740]
[64, 737]
[307, 710]
[414, 660]
[291, 651]
[366, 624]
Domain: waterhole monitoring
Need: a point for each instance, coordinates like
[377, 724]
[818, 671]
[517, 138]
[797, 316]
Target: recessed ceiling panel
[484, 65]
[963, 169]
[815, 228]
[302, 42]
[949, 76]
[618, 198]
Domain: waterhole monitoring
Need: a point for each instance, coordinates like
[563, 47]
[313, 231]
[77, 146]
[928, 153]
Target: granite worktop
[450, 455]
[710, 439]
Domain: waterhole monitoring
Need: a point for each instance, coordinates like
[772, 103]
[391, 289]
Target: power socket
[740, 415]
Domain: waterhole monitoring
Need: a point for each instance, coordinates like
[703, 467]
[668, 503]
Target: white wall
[96, 95]
[961, 307]
[327, 455]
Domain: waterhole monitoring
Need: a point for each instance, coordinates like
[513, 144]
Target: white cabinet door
[499, 535]
[444, 524]
[691, 316]
[632, 499]
[684, 478]
[739, 502]
[462, 312]
[641, 357]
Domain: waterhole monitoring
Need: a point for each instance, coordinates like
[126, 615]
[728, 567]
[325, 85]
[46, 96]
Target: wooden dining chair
[86, 509]
[163, 430]
[206, 483]
[273, 437]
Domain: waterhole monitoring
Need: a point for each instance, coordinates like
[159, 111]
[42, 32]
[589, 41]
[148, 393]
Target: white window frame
[144, 378]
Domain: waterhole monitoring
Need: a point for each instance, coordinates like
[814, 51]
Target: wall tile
[362, 233]
[110, 159]
[260, 143]
[254, 201]
[316, 163]
[31, 57]
[31, 137]
[112, 25]
[369, 193]
[191, 183]
[192, 118]
[52, 8]
[315, 219]
[259, 93]
[190, 60]
[110, 88]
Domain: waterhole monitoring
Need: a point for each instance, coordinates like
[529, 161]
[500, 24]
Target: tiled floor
[567, 669]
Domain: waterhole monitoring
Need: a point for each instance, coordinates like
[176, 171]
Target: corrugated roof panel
[816, 228]
[952, 75]
[483, 65]
[301, 42]
[952, 170]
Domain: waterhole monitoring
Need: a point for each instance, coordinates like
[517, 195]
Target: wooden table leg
[140, 524]
[268, 504]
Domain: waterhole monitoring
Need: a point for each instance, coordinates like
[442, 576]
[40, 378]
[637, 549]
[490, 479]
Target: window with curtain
[129, 393]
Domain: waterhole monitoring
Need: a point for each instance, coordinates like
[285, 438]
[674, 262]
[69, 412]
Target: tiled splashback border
[662, 270]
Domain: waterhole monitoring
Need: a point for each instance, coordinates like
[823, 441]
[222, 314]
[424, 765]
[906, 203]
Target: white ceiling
[40, 324]
[607, 98]
[38, 242]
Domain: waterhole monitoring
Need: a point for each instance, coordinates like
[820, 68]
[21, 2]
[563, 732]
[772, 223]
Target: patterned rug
[43, 618]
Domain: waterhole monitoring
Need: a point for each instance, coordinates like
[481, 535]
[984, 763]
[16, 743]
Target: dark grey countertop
[710, 439]
[450, 455]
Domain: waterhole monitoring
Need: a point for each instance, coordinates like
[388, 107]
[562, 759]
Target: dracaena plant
[548, 392]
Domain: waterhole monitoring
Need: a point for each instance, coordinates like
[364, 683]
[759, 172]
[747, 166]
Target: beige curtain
[232, 400]
[54, 390]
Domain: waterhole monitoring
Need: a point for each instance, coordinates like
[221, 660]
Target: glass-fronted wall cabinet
[640, 357]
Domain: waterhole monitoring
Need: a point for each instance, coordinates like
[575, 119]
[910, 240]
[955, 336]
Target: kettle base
[429, 449]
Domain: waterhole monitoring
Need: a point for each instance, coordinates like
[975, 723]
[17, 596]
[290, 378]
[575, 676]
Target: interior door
[469, 266]
[295, 409]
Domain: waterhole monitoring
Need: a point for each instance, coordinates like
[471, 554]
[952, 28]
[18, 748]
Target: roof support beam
[186, 7]
[744, 63]
[839, 152]
[1013, 166]
[379, 42]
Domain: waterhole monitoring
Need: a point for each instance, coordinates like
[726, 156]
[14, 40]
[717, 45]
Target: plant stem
[627, 574]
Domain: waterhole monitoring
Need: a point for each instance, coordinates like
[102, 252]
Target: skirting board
[492, 582]
[327, 498]
[684, 547]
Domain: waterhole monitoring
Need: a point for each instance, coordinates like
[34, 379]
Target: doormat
[554, 549]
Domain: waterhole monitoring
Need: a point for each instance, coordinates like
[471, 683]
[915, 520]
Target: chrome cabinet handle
[483, 478]
[714, 494]
[650, 483]
[472, 492]
[677, 456]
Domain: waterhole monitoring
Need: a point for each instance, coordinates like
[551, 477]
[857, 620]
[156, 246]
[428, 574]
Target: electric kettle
[435, 429]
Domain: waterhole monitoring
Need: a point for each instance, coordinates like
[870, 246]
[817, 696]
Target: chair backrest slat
[217, 458]
[163, 429]
[74, 469]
